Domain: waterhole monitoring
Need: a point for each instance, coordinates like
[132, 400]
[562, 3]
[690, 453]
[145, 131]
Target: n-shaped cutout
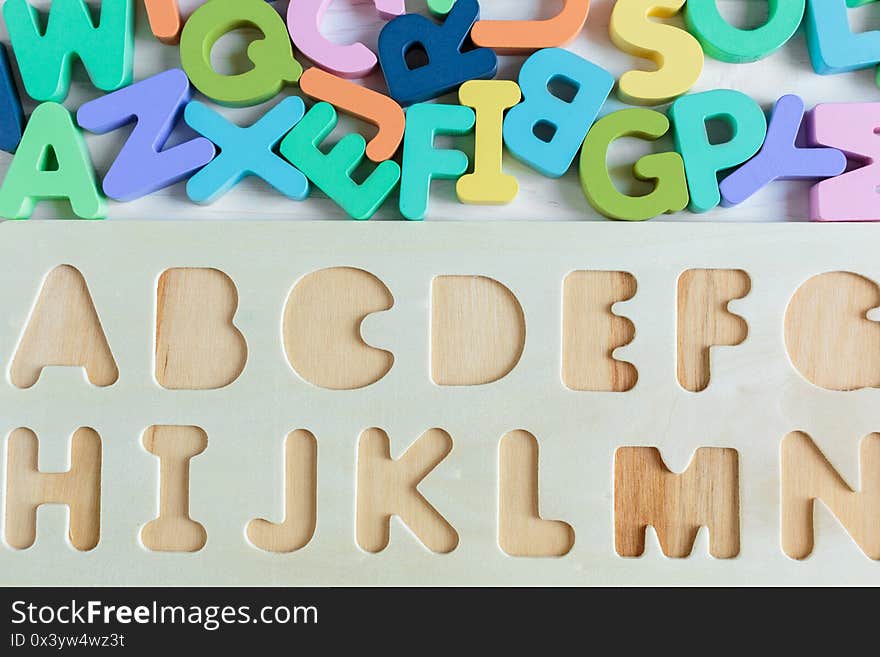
[591, 332]
[197, 344]
[705, 322]
[387, 488]
[676, 505]
[173, 530]
[478, 331]
[829, 338]
[322, 329]
[63, 331]
[79, 489]
[300, 499]
[521, 530]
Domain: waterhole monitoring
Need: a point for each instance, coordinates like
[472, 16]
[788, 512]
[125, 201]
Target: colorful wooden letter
[513, 37]
[11, 115]
[142, 167]
[703, 160]
[331, 172]
[447, 68]
[670, 192]
[833, 46]
[569, 120]
[440, 7]
[45, 52]
[780, 158]
[272, 56]
[35, 175]
[422, 163]
[165, 22]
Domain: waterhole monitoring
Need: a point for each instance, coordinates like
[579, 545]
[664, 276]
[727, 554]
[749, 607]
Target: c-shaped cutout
[513, 37]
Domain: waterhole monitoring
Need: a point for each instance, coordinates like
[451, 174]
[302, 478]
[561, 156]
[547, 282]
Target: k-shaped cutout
[514, 37]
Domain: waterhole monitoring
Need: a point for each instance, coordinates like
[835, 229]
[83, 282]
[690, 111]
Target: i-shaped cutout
[63, 331]
[516, 37]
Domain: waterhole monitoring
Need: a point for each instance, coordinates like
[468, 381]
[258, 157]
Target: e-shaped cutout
[705, 322]
[676, 505]
[63, 331]
[197, 345]
[828, 335]
[478, 331]
[322, 329]
[517, 37]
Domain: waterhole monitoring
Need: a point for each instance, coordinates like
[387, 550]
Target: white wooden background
[787, 71]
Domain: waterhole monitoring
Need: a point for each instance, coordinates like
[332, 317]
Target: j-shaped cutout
[173, 530]
[197, 344]
[705, 322]
[387, 488]
[322, 329]
[829, 337]
[79, 489]
[591, 332]
[300, 499]
[676, 505]
[808, 476]
[521, 530]
[63, 331]
[478, 331]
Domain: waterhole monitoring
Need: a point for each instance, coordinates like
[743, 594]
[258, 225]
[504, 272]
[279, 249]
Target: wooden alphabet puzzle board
[236, 423]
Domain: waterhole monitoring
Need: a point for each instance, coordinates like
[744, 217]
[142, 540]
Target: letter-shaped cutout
[670, 193]
[478, 331]
[364, 103]
[63, 331]
[79, 489]
[52, 162]
[833, 46]
[387, 487]
[829, 338]
[807, 476]
[353, 60]
[11, 115]
[592, 332]
[197, 344]
[521, 530]
[677, 55]
[173, 530]
[423, 163]
[271, 56]
[300, 499]
[676, 505]
[516, 37]
[322, 329]
[705, 322]
[45, 52]
[165, 20]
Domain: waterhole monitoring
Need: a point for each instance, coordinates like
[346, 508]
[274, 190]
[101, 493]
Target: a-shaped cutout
[829, 338]
[591, 332]
[322, 329]
[676, 505]
[173, 530]
[300, 499]
[705, 322]
[808, 476]
[389, 488]
[64, 331]
[521, 530]
[197, 344]
[478, 331]
[79, 489]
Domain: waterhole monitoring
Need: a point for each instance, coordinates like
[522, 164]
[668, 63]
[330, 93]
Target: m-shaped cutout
[517, 37]
[63, 331]
[322, 329]
[705, 322]
[197, 345]
[829, 338]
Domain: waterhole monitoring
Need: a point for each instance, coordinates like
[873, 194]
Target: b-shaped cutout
[63, 331]
[676, 505]
[478, 331]
[521, 530]
[705, 322]
[591, 332]
[197, 344]
[829, 338]
[322, 329]
[387, 488]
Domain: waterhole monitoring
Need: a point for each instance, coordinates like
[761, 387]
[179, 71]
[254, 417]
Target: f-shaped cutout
[516, 37]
